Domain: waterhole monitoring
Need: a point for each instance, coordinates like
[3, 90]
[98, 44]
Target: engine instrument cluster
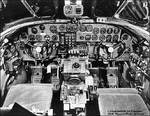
[99, 33]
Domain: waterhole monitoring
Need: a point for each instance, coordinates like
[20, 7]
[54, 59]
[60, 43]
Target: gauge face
[102, 37]
[69, 27]
[103, 30]
[82, 28]
[47, 37]
[31, 37]
[110, 30]
[68, 9]
[75, 28]
[54, 37]
[53, 28]
[42, 27]
[108, 38]
[34, 30]
[94, 37]
[88, 37]
[81, 37]
[116, 30]
[115, 38]
[38, 37]
[89, 28]
[125, 37]
[62, 28]
[96, 30]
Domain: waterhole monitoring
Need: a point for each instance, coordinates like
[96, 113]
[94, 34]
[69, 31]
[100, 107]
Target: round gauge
[102, 37]
[38, 37]
[94, 37]
[96, 30]
[116, 30]
[68, 9]
[81, 37]
[89, 28]
[62, 28]
[75, 28]
[42, 27]
[82, 28]
[31, 37]
[115, 38]
[108, 38]
[53, 29]
[54, 38]
[103, 30]
[110, 30]
[125, 37]
[47, 37]
[69, 28]
[34, 30]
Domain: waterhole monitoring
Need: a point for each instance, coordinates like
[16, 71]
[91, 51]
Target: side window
[136, 11]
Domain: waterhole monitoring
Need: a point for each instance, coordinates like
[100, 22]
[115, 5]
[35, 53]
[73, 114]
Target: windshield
[15, 9]
[131, 10]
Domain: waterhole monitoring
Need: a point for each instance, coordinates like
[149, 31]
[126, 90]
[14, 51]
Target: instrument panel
[108, 41]
[78, 33]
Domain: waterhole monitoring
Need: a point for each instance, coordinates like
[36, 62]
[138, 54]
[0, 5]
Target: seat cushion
[30, 96]
[116, 101]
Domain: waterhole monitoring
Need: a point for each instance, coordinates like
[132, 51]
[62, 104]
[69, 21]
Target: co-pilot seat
[121, 101]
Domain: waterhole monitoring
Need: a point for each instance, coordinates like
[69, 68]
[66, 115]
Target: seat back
[121, 101]
[30, 96]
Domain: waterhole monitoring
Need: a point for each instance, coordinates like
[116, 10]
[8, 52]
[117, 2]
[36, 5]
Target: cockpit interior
[75, 58]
